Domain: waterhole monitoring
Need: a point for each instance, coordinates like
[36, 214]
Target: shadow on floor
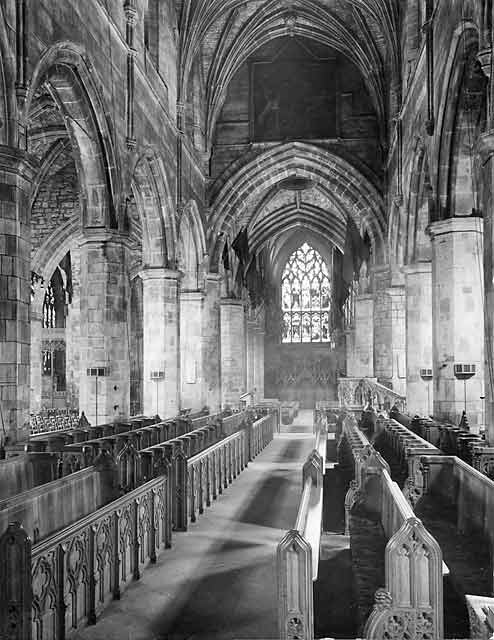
[248, 600]
[335, 609]
[275, 501]
[293, 452]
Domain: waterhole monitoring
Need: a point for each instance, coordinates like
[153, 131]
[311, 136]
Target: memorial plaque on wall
[293, 99]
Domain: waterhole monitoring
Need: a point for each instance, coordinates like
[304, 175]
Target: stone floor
[219, 579]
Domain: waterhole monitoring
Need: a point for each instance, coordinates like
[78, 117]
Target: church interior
[246, 319]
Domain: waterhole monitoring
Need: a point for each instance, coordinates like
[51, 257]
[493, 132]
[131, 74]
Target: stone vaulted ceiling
[223, 33]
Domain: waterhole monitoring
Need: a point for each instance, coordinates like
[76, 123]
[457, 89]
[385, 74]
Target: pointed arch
[420, 208]
[352, 193]
[464, 47]
[67, 73]
[156, 208]
[306, 296]
[191, 246]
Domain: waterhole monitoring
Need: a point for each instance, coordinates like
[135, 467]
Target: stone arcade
[246, 319]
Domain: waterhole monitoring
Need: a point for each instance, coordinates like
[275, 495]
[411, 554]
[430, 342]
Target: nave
[219, 579]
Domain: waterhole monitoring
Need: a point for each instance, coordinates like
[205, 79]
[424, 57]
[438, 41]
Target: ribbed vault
[224, 33]
[245, 199]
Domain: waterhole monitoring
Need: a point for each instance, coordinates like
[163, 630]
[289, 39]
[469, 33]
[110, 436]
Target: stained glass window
[49, 311]
[306, 297]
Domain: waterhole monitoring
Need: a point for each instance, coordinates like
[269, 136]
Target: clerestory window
[306, 297]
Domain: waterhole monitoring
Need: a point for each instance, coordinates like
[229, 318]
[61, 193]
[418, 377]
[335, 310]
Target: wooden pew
[64, 582]
[297, 555]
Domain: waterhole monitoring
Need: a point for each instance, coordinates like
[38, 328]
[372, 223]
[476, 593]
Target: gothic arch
[464, 46]
[50, 254]
[352, 193]
[420, 208]
[191, 246]
[156, 209]
[67, 73]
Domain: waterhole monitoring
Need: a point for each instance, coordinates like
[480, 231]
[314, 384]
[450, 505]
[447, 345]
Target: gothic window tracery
[49, 312]
[306, 297]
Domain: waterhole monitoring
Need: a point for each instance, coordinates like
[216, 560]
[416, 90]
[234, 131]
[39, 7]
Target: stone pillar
[259, 363]
[35, 362]
[389, 338]
[418, 289]
[251, 354]
[191, 326]
[487, 184]
[457, 315]
[16, 176]
[160, 336]
[104, 338]
[360, 341]
[233, 361]
[211, 342]
[72, 332]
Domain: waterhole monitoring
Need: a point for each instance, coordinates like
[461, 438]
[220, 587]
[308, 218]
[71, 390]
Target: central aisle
[219, 579]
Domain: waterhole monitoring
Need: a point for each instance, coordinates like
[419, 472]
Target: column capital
[192, 296]
[364, 297]
[463, 224]
[417, 267]
[398, 290]
[159, 273]
[213, 277]
[232, 302]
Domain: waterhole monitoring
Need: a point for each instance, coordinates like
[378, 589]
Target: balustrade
[212, 470]
[67, 579]
[356, 393]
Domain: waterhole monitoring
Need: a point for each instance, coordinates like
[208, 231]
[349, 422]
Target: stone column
[211, 342]
[251, 354]
[487, 184]
[72, 333]
[104, 317]
[233, 361]
[160, 336]
[418, 289]
[360, 341]
[16, 176]
[457, 316]
[35, 360]
[259, 363]
[389, 337]
[191, 326]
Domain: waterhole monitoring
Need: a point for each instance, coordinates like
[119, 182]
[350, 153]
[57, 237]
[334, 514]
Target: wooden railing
[64, 582]
[270, 405]
[298, 552]
[212, 470]
[231, 424]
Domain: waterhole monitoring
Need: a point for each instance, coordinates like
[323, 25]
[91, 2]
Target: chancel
[246, 319]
